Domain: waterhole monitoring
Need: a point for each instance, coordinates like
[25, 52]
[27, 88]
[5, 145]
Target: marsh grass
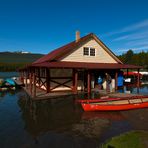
[133, 139]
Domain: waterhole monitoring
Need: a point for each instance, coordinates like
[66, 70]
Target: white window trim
[89, 52]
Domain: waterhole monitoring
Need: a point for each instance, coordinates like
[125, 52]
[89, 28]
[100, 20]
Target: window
[88, 51]
[92, 51]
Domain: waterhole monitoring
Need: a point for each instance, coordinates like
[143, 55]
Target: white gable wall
[101, 55]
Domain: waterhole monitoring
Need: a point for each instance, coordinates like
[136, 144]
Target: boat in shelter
[116, 104]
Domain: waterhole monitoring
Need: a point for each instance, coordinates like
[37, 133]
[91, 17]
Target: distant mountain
[18, 57]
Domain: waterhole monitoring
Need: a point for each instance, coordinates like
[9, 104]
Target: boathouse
[75, 67]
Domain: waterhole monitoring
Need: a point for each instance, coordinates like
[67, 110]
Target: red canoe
[117, 105]
[97, 100]
[106, 98]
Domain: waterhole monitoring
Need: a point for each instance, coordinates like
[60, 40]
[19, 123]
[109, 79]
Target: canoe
[7, 88]
[10, 82]
[106, 98]
[96, 100]
[116, 105]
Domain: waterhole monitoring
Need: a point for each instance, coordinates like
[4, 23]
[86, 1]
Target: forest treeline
[14, 61]
[6, 67]
[140, 59]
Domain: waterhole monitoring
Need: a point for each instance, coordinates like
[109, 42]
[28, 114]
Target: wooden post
[30, 82]
[22, 77]
[26, 78]
[138, 79]
[127, 73]
[116, 81]
[75, 80]
[39, 77]
[34, 85]
[88, 82]
[47, 80]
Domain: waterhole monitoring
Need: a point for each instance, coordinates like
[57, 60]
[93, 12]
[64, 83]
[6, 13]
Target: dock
[43, 95]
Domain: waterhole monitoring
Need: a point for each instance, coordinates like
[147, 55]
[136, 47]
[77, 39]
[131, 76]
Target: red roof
[52, 60]
[58, 53]
[85, 65]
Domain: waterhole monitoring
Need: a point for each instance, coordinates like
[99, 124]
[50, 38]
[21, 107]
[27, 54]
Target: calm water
[61, 122]
[8, 74]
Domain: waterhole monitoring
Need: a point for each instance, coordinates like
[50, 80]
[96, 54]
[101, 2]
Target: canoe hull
[107, 99]
[98, 100]
[96, 107]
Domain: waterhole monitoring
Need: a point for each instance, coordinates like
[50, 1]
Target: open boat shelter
[75, 67]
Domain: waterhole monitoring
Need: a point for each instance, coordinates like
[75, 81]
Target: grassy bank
[134, 139]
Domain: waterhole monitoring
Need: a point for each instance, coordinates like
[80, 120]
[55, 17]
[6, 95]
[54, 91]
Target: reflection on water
[133, 89]
[48, 115]
[63, 116]
[59, 122]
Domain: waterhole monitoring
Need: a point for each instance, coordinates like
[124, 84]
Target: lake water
[61, 122]
[8, 74]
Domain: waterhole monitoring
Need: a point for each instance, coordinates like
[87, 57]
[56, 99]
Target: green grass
[134, 139]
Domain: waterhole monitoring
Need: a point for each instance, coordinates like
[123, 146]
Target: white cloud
[133, 36]
[137, 26]
[138, 42]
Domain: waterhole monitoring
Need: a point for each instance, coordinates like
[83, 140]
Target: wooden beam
[30, 80]
[88, 82]
[127, 73]
[26, 77]
[75, 81]
[39, 77]
[34, 85]
[138, 79]
[43, 83]
[116, 81]
[22, 77]
[61, 84]
[47, 80]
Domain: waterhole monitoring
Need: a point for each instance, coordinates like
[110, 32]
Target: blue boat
[10, 82]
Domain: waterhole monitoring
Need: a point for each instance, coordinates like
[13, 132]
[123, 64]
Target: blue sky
[40, 26]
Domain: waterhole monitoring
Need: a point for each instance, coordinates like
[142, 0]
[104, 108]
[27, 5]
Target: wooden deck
[42, 95]
[115, 94]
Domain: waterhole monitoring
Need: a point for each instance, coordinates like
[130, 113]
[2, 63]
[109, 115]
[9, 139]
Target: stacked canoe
[7, 84]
